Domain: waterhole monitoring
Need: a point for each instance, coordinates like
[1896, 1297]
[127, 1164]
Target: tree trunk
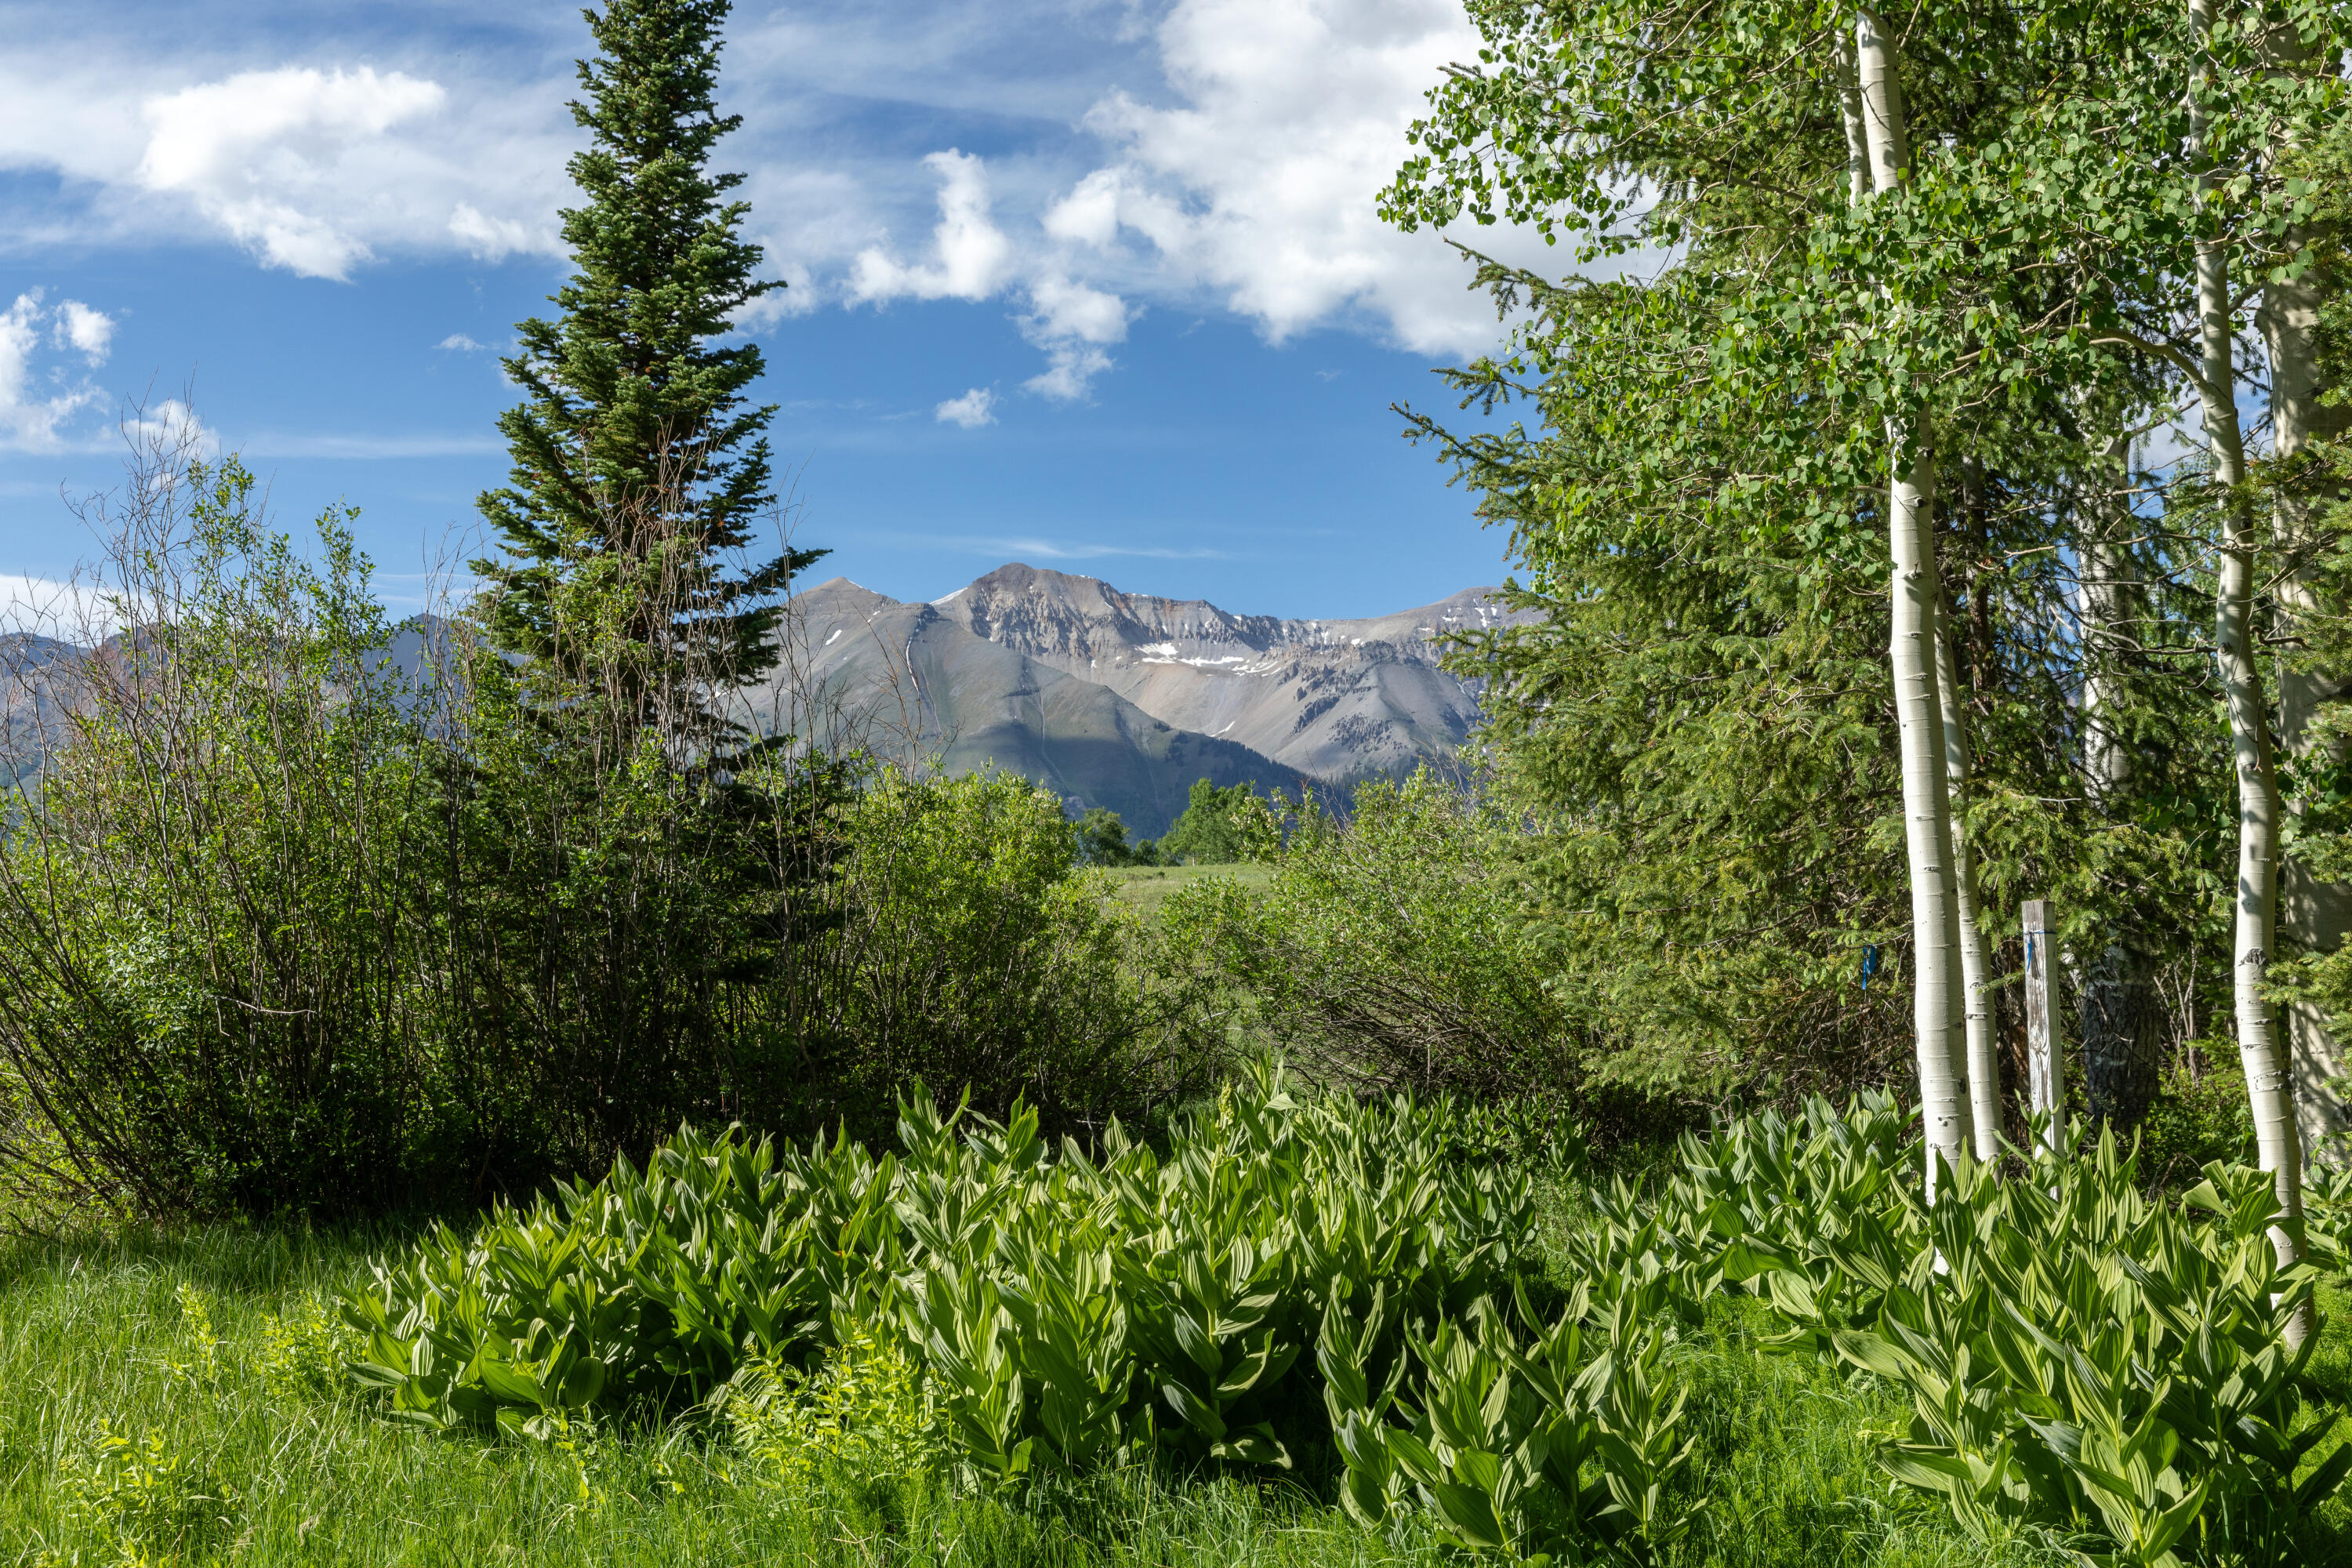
[2117, 1009]
[2317, 915]
[1976, 973]
[1917, 594]
[2267, 1079]
[2108, 601]
[1857, 145]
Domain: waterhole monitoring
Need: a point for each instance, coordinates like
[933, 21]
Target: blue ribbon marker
[1869, 963]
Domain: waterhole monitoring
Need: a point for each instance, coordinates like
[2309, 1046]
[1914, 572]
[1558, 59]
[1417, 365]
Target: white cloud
[30, 417]
[971, 254]
[1253, 183]
[1071, 321]
[79, 327]
[1243, 179]
[1089, 213]
[1259, 185]
[973, 410]
[973, 259]
[489, 238]
[1068, 310]
[1070, 371]
[311, 168]
[170, 426]
[256, 152]
[75, 612]
[459, 342]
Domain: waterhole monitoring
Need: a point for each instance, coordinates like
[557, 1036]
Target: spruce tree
[638, 464]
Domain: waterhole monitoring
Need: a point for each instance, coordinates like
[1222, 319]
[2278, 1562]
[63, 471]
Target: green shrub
[2079, 1356]
[308, 912]
[865, 1412]
[2194, 1122]
[1294, 1266]
[963, 942]
[205, 974]
[144, 1497]
[1390, 951]
[1103, 841]
[1217, 827]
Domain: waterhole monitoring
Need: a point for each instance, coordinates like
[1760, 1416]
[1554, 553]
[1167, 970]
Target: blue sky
[1089, 284]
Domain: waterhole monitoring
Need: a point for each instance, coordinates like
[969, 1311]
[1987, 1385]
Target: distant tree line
[1211, 830]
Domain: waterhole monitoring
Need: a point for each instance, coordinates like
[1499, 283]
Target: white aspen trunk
[1976, 973]
[2108, 583]
[2120, 1065]
[1857, 147]
[2267, 1079]
[1916, 594]
[2316, 915]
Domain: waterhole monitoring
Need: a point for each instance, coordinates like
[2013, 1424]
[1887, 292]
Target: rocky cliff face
[1123, 700]
[905, 679]
[1335, 701]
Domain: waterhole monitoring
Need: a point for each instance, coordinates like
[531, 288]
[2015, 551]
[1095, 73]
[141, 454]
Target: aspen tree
[2118, 1057]
[2277, 1135]
[1914, 652]
[2316, 913]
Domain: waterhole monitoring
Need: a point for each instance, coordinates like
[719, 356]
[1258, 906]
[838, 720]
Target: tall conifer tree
[636, 457]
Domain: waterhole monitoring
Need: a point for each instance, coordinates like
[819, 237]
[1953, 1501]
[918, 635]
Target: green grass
[95, 1339]
[1148, 887]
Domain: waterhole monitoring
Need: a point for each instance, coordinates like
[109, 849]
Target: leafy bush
[1304, 1269]
[1390, 952]
[2079, 1355]
[1294, 1268]
[204, 970]
[142, 1497]
[864, 1412]
[1217, 827]
[963, 942]
[2197, 1120]
[1103, 841]
[306, 911]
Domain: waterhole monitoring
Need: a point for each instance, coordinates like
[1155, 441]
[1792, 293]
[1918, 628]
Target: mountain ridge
[1106, 697]
[1294, 702]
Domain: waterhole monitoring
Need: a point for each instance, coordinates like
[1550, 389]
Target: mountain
[39, 677]
[1123, 700]
[1107, 698]
[1337, 701]
[862, 668]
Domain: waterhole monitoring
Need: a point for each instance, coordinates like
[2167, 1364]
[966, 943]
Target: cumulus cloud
[487, 238]
[973, 410]
[255, 153]
[76, 611]
[1244, 179]
[170, 426]
[80, 328]
[1259, 183]
[1089, 213]
[459, 342]
[970, 255]
[311, 168]
[32, 413]
[1071, 321]
[1252, 183]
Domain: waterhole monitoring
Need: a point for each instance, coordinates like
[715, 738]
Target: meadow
[189, 1352]
[189, 1398]
[1146, 889]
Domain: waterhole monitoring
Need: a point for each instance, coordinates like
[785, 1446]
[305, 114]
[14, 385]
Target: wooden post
[2045, 1066]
